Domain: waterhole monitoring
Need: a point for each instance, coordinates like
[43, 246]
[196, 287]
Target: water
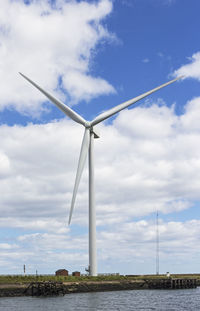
[168, 300]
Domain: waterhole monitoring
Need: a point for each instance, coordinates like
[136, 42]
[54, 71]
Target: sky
[94, 55]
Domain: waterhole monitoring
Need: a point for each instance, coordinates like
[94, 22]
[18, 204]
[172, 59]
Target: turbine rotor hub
[87, 124]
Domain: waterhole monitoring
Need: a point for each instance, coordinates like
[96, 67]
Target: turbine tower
[87, 148]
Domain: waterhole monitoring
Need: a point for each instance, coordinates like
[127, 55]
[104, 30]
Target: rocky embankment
[84, 287]
[12, 290]
[59, 288]
[17, 290]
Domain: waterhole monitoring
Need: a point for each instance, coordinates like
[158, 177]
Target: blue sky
[94, 55]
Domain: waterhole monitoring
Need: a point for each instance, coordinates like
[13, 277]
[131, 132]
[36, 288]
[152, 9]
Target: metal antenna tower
[157, 245]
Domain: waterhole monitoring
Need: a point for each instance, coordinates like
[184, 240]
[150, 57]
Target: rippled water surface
[169, 300]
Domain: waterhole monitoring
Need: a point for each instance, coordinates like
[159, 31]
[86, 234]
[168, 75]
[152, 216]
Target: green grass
[41, 278]
[19, 279]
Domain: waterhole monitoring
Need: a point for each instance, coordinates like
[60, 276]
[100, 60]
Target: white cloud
[7, 246]
[133, 235]
[192, 69]
[140, 166]
[147, 160]
[4, 165]
[49, 43]
[145, 60]
[81, 85]
[136, 241]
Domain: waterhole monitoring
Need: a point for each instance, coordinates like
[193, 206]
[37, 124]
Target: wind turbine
[87, 148]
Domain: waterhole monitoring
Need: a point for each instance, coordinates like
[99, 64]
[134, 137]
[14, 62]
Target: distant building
[76, 273]
[62, 272]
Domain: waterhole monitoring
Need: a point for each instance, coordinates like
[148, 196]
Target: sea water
[169, 300]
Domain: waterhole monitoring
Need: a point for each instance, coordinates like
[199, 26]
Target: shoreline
[64, 288]
[19, 290]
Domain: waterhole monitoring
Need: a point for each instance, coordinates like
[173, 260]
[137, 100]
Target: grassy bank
[20, 279]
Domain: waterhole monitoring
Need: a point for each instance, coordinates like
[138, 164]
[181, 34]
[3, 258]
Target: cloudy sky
[93, 55]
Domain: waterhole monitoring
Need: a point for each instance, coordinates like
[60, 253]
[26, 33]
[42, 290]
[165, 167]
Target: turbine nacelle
[95, 132]
[88, 125]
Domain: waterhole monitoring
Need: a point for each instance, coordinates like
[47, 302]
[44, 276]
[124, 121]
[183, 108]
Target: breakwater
[63, 288]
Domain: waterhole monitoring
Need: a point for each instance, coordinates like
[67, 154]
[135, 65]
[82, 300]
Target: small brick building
[76, 273]
[62, 272]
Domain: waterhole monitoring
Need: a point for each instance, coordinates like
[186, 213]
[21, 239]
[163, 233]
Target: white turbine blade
[81, 163]
[124, 105]
[68, 111]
